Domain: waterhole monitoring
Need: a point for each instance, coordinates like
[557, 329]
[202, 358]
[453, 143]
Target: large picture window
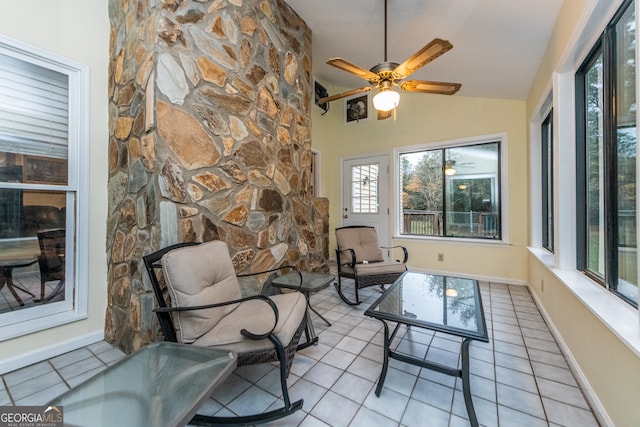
[606, 158]
[40, 192]
[451, 192]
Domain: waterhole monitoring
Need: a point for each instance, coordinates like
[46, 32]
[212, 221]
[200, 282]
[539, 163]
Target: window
[40, 127]
[547, 182]
[452, 191]
[364, 188]
[606, 159]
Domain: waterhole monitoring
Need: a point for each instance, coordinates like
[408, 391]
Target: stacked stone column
[210, 140]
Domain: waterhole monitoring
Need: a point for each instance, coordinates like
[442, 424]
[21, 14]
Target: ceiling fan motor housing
[384, 71]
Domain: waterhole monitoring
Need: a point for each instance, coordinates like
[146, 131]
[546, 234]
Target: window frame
[502, 140]
[605, 45]
[547, 191]
[74, 307]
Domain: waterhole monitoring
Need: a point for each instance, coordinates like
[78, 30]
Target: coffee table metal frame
[410, 320]
[312, 281]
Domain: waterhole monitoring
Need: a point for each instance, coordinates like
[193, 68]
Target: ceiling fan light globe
[386, 100]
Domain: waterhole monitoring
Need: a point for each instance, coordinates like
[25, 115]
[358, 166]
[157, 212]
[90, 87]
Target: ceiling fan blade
[422, 57]
[424, 86]
[344, 94]
[354, 69]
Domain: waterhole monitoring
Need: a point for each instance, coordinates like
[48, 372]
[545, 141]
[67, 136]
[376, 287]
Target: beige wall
[608, 364]
[421, 119]
[78, 30]
[568, 18]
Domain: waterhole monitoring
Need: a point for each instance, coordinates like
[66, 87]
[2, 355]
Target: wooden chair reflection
[51, 260]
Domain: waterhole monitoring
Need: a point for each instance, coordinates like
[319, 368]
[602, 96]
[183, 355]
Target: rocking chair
[359, 257]
[206, 308]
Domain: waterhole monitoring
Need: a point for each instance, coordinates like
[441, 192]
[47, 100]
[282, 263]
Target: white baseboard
[598, 410]
[35, 356]
[483, 278]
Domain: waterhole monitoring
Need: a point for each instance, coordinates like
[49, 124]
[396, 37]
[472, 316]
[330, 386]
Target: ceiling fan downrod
[385, 30]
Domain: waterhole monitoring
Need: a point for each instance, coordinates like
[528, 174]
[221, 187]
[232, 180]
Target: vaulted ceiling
[497, 44]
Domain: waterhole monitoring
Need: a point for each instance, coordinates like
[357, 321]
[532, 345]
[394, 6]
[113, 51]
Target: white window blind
[364, 188]
[34, 113]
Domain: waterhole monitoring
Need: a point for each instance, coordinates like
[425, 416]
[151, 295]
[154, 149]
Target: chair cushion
[199, 275]
[376, 268]
[363, 240]
[257, 316]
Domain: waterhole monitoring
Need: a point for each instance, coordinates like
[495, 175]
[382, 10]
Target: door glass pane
[472, 194]
[421, 174]
[627, 283]
[595, 222]
[364, 188]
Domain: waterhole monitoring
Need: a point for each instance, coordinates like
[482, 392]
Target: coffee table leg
[466, 388]
[319, 315]
[385, 360]
[310, 334]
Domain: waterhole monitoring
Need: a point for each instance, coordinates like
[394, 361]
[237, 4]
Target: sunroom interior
[596, 326]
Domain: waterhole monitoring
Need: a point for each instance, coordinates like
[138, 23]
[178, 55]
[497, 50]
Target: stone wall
[210, 140]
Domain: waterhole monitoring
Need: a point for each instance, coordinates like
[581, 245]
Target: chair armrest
[351, 264]
[244, 332]
[404, 250]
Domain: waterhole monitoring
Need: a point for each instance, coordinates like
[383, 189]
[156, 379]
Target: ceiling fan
[386, 75]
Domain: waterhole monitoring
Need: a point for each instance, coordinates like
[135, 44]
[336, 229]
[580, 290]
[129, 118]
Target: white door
[365, 183]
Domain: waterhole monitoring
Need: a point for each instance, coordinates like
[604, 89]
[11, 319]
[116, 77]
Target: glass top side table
[311, 282]
[162, 384]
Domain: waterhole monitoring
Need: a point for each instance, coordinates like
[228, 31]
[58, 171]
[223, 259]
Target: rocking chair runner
[359, 257]
[207, 309]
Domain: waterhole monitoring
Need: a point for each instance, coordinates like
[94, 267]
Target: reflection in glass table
[449, 305]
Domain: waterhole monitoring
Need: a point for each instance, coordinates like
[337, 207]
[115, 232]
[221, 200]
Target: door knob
[345, 216]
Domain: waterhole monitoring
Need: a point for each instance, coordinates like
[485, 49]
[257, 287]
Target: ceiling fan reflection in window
[385, 75]
[451, 166]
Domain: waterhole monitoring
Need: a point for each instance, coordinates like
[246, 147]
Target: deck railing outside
[462, 224]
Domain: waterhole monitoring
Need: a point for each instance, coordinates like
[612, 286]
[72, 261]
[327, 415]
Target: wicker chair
[206, 308]
[359, 257]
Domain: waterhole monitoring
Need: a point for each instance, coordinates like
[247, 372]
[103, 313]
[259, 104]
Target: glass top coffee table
[162, 384]
[449, 305]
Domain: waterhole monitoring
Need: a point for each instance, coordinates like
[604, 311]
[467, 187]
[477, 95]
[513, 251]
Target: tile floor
[519, 378]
